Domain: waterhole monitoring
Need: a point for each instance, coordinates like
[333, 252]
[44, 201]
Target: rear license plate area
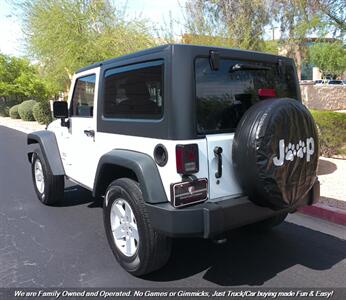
[189, 192]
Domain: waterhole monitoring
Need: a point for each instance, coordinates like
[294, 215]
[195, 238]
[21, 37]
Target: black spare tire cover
[275, 153]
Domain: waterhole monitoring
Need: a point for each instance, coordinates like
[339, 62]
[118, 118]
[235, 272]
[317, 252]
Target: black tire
[275, 153]
[268, 224]
[53, 190]
[153, 248]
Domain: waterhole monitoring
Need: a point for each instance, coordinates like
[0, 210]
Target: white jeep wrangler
[181, 141]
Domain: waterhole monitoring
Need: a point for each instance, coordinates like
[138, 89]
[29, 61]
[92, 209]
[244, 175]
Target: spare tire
[275, 153]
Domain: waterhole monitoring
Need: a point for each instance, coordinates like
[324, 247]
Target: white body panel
[107, 142]
[78, 151]
[227, 184]
[85, 171]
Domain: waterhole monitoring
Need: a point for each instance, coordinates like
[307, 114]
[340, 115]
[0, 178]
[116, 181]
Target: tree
[238, 23]
[296, 20]
[64, 35]
[333, 14]
[299, 19]
[330, 58]
[19, 79]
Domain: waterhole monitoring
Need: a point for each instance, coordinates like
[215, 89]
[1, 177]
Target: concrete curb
[322, 211]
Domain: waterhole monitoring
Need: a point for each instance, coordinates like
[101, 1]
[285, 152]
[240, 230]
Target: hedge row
[5, 108]
[332, 132]
[25, 110]
[13, 112]
[30, 110]
[42, 113]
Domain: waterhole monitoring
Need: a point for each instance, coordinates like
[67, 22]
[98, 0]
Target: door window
[83, 97]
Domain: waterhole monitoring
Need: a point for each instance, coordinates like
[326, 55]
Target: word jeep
[180, 141]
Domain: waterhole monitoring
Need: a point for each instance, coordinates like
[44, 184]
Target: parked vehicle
[321, 81]
[338, 82]
[181, 141]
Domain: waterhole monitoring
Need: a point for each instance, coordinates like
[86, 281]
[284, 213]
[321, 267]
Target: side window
[83, 97]
[135, 93]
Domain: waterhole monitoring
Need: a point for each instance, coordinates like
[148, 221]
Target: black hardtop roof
[168, 47]
[126, 56]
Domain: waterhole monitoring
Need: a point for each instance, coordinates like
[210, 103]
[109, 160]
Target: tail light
[266, 93]
[187, 159]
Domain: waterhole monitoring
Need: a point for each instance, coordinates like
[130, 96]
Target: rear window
[224, 95]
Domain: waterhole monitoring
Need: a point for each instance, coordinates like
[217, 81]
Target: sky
[156, 11]
[10, 32]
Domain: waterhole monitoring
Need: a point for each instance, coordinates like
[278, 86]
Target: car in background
[321, 81]
[338, 82]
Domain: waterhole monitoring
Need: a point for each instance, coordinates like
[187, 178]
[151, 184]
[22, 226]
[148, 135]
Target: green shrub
[332, 132]
[2, 109]
[25, 110]
[5, 108]
[42, 113]
[6, 111]
[13, 112]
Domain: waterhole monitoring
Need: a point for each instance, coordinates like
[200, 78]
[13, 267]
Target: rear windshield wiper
[239, 67]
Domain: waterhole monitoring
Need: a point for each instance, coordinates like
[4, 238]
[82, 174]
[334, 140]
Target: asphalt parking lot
[65, 245]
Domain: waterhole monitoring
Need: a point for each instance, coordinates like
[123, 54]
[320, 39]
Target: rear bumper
[214, 218]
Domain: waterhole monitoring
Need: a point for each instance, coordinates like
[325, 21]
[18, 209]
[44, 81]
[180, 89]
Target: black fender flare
[45, 142]
[142, 165]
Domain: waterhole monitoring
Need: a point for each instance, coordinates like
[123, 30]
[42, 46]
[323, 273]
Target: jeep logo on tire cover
[290, 151]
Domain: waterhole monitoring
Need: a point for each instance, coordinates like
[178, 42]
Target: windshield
[225, 94]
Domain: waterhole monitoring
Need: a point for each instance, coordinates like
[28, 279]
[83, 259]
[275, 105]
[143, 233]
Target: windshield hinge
[280, 67]
[214, 59]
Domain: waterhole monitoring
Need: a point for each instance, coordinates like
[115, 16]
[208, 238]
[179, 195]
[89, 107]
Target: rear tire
[137, 246]
[49, 188]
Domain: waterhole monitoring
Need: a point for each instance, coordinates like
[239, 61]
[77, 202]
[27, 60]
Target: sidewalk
[20, 125]
[332, 176]
[332, 204]
[331, 173]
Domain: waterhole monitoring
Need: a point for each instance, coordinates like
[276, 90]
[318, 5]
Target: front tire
[137, 246]
[49, 188]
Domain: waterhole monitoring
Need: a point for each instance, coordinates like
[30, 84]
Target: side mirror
[60, 111]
